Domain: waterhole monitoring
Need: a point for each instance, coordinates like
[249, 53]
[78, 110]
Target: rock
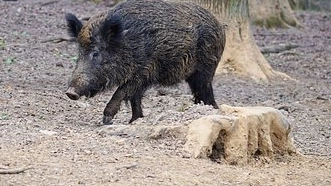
[241, 135]
[142, 131]
[47, 132]
[163, 131]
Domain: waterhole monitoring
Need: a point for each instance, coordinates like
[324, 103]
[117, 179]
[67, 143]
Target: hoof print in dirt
[241, 136]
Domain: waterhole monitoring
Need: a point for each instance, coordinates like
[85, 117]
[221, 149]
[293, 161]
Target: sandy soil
[63, 144]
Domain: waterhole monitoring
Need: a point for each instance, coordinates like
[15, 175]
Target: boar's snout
[72, 94]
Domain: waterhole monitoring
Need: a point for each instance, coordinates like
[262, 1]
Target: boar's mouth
[73, 94]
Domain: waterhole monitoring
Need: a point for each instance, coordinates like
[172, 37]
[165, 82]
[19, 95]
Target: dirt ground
[63, 144]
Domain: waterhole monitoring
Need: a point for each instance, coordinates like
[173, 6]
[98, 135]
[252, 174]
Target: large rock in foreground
[241, 135]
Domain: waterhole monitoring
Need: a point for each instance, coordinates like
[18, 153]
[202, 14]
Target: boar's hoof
[72, 94]
[107, 120]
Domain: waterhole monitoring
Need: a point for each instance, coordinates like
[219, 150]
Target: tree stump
[242, 135]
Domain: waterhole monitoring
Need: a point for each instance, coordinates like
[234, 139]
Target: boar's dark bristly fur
[138, 44]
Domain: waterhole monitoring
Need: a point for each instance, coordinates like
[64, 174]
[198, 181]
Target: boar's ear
[112, 29]
[74, 25]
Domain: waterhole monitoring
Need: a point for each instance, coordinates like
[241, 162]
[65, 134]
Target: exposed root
[4, 170]
[59, 40]
[278, 48]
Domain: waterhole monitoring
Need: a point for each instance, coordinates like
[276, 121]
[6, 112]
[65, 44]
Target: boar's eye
[94, 56]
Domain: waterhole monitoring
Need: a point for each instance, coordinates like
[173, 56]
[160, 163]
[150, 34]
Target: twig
[48, 3]
[59, 40]
[290, 53]
[52, 95]
[322, 98]
[14, 170]
[315, 154]
[278, 48]
[131, 166]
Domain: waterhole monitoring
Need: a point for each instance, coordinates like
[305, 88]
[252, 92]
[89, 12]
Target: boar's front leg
[113, 106]
[132, 91]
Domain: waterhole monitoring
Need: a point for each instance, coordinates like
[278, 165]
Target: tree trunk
[315, 5]
[272, 14]
[241, 54]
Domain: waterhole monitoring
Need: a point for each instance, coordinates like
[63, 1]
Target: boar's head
[98, 41]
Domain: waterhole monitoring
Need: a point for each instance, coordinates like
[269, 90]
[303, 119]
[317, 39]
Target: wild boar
[142, 43]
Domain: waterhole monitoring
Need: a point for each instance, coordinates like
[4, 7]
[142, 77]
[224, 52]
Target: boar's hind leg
[202, 89]
[208, 51]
